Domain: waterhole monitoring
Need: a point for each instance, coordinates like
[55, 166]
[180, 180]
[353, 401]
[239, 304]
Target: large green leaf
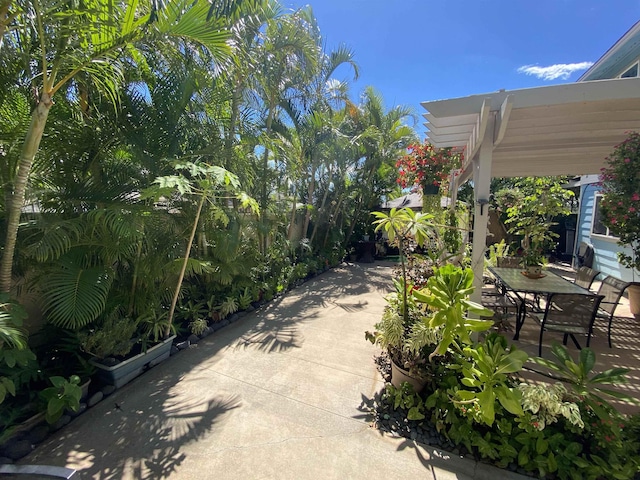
[75, 296]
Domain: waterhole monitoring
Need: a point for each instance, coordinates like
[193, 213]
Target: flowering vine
[620, 182]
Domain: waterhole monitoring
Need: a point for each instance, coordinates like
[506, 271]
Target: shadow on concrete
[276, 329]
[141, 429]
[136, 433]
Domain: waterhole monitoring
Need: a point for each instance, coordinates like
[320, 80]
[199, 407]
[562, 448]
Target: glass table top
[514, 279]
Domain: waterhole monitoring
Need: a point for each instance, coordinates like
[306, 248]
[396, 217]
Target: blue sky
[418, 50]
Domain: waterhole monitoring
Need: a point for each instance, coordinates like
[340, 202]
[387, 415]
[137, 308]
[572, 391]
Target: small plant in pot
[62, 395]
[437, 317]
[532, 261]
[405, 338]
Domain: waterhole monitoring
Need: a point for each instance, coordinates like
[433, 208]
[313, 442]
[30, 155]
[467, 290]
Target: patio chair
[494, 297]
[571, 314]
[499, 302]
[584, 257]
[611, 289]
[585, 277]
[509, 262]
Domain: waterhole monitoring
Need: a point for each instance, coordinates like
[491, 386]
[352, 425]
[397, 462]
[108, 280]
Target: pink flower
[635, 197]
[632, 209]
[627, 160]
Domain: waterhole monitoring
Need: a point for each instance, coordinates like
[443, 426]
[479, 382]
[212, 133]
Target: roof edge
[611, 51]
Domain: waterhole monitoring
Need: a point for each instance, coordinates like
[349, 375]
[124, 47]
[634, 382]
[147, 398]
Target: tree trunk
[310, 192]
[14, 208]
[354, 220]
[231, 132]
[134, 281]
[321, 209]
[263, 194]
[292, 220]
[332, 222]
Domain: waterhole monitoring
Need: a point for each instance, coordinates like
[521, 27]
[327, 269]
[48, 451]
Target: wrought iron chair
[494, 297]
[571, 314]
[585, 277]
[498, 301]
[611, 289]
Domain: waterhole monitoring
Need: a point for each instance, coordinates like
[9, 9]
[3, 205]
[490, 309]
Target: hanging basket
[430, 189]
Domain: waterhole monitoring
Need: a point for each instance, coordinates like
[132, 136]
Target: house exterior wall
[616, 62]
[605, 248]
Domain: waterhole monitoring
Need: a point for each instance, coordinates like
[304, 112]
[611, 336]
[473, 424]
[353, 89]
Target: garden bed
[394, 421]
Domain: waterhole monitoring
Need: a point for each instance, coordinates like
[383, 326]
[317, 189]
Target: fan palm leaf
[75, 296]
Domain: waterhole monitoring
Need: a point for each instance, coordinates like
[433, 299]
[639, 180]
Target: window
[631, 72]
[597, 227]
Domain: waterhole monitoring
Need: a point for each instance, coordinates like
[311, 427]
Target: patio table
[513, 280]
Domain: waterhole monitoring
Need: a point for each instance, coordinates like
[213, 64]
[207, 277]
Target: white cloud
[560, 70]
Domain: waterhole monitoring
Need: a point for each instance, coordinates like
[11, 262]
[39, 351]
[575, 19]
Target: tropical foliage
[476, 400]
[165, 164]
[530, 208]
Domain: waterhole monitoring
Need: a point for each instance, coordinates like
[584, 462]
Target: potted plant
[620, 184]
[120, 349]
[426, 323]
[529, 207]
[532, 261]
[400, 225]
[401, 333]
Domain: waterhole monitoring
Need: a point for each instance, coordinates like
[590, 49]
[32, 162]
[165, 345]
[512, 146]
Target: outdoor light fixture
[482, 202]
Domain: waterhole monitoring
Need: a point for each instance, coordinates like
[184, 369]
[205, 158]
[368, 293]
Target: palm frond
[75, 296]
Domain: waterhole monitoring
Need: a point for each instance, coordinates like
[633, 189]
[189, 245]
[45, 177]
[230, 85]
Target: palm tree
[287, 58]
[93, 43]
[240, 77]
[313, 114]
[381, 136]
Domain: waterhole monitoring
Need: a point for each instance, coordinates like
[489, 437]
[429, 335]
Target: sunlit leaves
[76, 295]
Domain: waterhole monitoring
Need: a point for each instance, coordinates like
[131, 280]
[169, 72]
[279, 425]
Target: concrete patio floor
[280, 394]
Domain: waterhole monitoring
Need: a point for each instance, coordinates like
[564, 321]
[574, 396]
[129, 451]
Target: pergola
[556, 130]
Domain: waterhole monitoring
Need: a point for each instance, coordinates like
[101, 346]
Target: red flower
[424, 165]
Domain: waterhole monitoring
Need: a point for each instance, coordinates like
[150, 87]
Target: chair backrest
[572, 310]
[582, 248]
[611, 289]
[585, 254]
[509, 262]
[585, 277]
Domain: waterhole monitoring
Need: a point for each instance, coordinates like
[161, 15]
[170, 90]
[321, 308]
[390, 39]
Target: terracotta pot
[399, 375]
[634, 300]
